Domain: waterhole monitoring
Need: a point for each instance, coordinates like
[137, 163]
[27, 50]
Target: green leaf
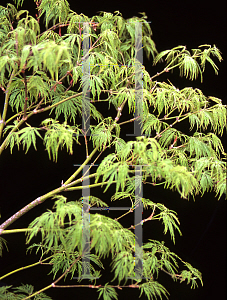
[28, 137]
[123, 265]
[2, 242]
[58, 136]
[153, 289]
[107, 292]
[189, 67]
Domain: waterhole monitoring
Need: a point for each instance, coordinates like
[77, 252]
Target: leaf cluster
[46, 71]
[62, 231]
[20, 292]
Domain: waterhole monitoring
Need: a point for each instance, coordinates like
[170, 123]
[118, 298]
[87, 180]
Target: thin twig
[57, 280]
[26, 95]
[2, 120]
[40, 262]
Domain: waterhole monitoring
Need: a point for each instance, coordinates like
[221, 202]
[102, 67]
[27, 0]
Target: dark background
[203, 222]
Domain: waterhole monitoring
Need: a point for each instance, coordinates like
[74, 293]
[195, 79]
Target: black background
[203, 222]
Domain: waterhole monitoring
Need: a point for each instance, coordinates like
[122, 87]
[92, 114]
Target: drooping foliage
[41, 72]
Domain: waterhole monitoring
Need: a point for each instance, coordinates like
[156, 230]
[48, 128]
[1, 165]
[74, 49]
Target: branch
[2, 120]
[35, 111]
[131, 120]
[98, 286]
[38, 201]
[159, 73]
[172, 275]
[89, 186]
[64, 186]
[145, 220]
[26, 267]
[53, 284]
[81, 167]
